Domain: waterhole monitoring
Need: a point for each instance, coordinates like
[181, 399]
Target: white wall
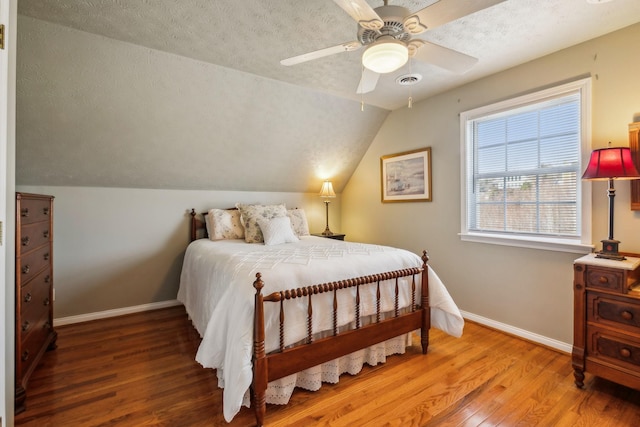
[521, 288]
[117, 248]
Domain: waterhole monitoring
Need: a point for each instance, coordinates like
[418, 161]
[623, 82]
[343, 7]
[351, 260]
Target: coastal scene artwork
[406, 177]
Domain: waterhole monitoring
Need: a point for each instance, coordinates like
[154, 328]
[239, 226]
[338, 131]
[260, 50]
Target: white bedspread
[216, 290]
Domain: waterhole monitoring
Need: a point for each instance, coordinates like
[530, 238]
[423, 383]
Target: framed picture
[406, 177]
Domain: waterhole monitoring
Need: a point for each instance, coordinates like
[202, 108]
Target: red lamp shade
[611, 163]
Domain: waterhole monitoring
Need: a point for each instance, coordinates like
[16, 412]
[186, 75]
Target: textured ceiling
[254, 35]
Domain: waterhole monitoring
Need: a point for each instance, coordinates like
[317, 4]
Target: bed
[303, 310]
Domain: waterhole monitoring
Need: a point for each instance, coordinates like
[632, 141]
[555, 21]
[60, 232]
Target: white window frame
[581, 244]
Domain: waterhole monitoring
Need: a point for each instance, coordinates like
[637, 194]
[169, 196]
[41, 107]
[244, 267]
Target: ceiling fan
[387, 32]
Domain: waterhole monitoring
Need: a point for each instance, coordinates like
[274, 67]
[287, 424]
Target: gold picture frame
[406, 176]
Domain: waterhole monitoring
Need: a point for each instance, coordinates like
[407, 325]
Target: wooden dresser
[606, 323]
[34, 287]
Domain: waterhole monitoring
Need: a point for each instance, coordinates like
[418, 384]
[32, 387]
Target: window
[522, 162]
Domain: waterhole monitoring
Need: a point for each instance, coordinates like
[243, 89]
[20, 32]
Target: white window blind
[523, 167]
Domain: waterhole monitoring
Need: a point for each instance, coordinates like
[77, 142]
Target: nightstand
[334, 236]
[606, 337]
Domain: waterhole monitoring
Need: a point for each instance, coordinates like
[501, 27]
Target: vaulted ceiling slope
[254, 35]
[97, 112]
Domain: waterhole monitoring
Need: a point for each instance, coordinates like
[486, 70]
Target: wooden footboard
[313, 352]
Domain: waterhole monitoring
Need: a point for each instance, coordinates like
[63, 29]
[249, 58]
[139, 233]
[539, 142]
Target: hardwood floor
[139, 370]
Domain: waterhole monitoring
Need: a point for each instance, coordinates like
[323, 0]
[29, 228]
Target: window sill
[550, 244]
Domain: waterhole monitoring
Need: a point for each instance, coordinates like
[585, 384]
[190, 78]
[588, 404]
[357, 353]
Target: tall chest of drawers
[606, 336]
[34, 287]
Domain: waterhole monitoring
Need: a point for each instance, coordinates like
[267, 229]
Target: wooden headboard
[197, 224]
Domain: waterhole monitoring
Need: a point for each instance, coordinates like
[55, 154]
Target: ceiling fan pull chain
[410, 90]
[361, 92]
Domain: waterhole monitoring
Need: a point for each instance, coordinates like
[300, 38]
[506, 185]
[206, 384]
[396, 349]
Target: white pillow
[298, 222]
[224, 224]
[249, 215]
[277, 230]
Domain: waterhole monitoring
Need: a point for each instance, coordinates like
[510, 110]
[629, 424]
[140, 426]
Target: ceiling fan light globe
[385, 56]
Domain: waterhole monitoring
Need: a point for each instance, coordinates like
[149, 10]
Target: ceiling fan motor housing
[393, 18]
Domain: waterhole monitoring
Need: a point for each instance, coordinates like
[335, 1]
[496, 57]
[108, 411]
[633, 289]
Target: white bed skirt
[279, 391]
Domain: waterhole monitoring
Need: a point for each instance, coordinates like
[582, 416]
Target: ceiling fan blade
[362, 13]
[368, 81]
[441, 56]
[443, 11]
[344, 47]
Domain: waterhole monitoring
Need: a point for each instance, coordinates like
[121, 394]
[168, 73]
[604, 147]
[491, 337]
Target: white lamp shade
[327, 190]
[385, 56]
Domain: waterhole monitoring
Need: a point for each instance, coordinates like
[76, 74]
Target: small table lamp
[327, 192]
[609, 164]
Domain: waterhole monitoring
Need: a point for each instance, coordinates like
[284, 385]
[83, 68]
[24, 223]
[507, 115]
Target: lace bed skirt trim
[279, 391]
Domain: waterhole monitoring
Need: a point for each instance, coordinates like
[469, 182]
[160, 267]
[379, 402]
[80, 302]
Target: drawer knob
[46, 301]
[26, 269]
[625, 352]
[25, 355]
[27, 297]
[47, 279]
[26, 240]
[626, 315]
[24, 212]
[45, 234]
[25, 325]
[45, 211]
[603, 280]
[46, 256]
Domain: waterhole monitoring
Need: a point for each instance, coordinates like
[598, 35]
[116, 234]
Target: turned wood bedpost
[426, 309]
[259, 358]
[193, 225]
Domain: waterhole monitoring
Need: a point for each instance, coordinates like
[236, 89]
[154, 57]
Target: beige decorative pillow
[249, 215]
[277, 230]
[299, 222]
[224, 224]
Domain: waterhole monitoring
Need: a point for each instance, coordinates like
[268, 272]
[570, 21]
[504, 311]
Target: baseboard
[113, 313]
[529, 336]
[522, 333]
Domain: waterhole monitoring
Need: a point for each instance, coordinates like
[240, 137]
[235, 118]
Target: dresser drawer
[34, 210]
[32, 297]
[34, 235]
[605, 278]
[31, 264]
[33, 344]
[623, 313]
[34, 319]
[615, 348]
